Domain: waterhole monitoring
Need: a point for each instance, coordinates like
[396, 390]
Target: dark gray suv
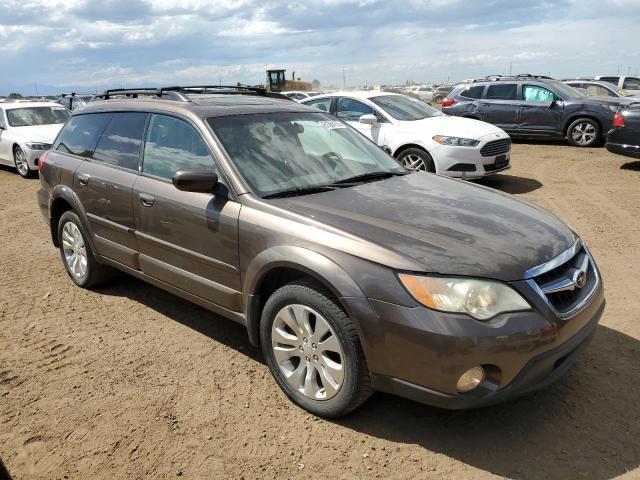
[527, 106]
[352, 273]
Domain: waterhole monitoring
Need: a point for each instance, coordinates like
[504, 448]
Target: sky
[86, 46]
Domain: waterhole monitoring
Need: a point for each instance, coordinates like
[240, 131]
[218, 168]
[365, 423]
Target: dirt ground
[132, 382]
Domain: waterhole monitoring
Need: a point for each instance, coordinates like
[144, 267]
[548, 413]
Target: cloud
[71, 43]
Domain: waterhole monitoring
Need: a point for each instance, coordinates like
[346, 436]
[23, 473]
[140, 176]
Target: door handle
[83, 178]
[146, 200]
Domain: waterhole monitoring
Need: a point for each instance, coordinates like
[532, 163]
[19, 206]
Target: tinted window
[351, 110]
[80, 135]
[29, 116]
[505, 91]
[121, 140]
[171, 145]
[472, 92]
[536, 94]
[323, 104]
[631, 83]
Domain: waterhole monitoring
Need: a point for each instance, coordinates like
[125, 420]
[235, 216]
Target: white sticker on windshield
[332, 124]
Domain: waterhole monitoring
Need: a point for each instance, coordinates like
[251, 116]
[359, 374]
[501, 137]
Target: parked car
[352, 273]
[629, 84]
[624, 137]
[598, 88]
[419, 136]
[441, 92]
[423, 92]
[300, 95]
[27, 129]
[535, 107]
[71, 101]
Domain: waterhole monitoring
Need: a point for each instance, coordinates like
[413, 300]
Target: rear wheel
[583, 132]
[21, 162]
[313, 350]
[77, 256]
[416, 159]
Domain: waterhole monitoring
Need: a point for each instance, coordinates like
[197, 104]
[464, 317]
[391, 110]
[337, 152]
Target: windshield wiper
[365, 177]
[297, 191]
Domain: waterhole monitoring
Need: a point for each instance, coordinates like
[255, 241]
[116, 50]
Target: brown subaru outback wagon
[352, 273]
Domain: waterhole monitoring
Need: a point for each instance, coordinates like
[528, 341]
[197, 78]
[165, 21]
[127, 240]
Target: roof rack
[181, 93]
[520, 76]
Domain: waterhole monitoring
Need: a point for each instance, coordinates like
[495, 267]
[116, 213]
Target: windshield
[565, 90]
[30, 116]
[282, 151]
[405, 108]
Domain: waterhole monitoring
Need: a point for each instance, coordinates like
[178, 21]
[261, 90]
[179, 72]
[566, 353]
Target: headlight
[39, 146]
[482, 299]
[456, 141]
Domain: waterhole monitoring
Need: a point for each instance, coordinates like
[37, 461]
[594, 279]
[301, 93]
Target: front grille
[558, 285]
[497, 147]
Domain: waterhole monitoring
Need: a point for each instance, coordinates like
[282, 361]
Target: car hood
[452, 126]
[438, 225]
[37, 133]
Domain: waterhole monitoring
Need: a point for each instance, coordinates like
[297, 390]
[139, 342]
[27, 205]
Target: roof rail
[520, 76]
[181, 92]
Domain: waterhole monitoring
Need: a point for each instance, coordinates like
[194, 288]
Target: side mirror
[368, 119]
[195, 180]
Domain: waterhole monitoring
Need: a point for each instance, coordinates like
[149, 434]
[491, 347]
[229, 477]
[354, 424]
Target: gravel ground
[132, 382]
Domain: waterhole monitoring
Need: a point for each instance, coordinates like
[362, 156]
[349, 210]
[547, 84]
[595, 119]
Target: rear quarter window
[81, 133]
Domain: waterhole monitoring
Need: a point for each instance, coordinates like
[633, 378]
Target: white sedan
[27, 130]
[419, 136]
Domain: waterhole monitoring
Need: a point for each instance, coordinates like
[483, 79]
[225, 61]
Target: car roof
[202, 105]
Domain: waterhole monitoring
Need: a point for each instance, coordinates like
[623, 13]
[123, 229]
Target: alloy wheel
[75, 252]
[413, 162]
[584, 133]
[308, 352]
[21, 162]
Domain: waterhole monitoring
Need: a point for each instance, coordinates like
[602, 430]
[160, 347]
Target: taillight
[447, 102]
[618, 120]
[42, 160]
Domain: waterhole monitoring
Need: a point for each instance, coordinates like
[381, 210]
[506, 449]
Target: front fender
[307, 261]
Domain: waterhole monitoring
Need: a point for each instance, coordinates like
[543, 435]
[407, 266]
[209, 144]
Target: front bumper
[418, 353]
[32, 157]
[467, 162]
[632, 151]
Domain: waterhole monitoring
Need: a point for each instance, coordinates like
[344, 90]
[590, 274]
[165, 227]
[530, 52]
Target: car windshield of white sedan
[405, 108]
[279, 152]
[31, 116]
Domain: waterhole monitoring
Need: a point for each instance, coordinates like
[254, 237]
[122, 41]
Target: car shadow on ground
[635, 166]
[586, 425]
[4, 474]
[510, 183]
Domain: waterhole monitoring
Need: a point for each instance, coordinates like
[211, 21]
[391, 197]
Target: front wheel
[21, 163]
[583, 132]
[416, 159]
[313, 350]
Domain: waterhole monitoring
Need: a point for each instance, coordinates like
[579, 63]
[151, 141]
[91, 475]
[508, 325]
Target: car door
[350, 110]
[499, 105]
[111, 145]
[187, 239]
[5, 143]
[541, 111]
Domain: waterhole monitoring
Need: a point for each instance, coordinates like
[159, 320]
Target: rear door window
[631, 83]
[120, 143]
[472, 92]
[323, 104]
[171, 145]
[504, 91]
[81, 133]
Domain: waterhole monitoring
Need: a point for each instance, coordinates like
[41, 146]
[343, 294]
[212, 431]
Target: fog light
[470, 379]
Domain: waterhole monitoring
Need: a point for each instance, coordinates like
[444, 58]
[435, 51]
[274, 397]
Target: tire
[416, 159]
[305, 371]
[20, 161]
[584, 132]
[73, 244]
